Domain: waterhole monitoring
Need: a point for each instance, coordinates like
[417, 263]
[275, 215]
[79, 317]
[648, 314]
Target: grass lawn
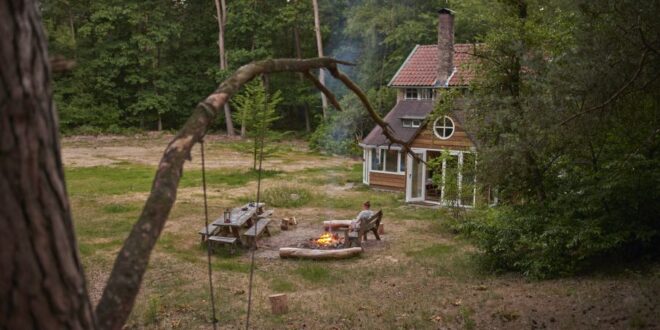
[420, 276]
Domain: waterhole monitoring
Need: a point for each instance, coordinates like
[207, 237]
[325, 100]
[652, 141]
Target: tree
[42, 284]
[257, 111]
[319, 47]
[221, 17]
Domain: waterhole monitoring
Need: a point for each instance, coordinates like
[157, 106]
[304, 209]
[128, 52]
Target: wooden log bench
[254, 232]
[218, 240]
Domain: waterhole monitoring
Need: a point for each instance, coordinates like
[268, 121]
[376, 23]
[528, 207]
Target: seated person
[364, 215]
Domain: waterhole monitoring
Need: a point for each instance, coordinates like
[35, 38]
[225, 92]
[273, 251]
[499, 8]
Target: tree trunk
[319, 47]
[296, 40]
[42, 285]
[221, 17]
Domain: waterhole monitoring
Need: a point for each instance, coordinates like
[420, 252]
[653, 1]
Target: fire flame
[326, 239]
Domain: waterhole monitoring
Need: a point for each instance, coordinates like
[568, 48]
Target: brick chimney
[445, 45]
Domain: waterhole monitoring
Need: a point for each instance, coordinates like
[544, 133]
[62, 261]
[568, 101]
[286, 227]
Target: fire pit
[329, 245]
[326, 241]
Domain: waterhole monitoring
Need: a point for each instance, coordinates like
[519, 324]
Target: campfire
[327, 240]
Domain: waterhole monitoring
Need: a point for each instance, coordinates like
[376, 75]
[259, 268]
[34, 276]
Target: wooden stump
[284, 225]
[381, 229]
[279, 303]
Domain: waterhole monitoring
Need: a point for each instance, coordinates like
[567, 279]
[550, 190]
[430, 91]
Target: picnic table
[249, 216]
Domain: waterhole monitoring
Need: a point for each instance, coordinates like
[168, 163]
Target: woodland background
[566, 107]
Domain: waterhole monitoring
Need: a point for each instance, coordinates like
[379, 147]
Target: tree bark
[319, 47]
[221, 17]
[42, 285]
[296, 40]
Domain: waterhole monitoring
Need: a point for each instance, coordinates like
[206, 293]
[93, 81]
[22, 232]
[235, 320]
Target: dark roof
[421, 67]
[412, 109]
[403, 109]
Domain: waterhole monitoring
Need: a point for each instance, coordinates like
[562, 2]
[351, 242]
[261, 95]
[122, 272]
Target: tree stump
[279, 303]
[284, 225]
[381, 229]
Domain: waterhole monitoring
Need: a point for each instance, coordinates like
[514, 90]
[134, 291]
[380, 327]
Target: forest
[270, 102]
[566, 105]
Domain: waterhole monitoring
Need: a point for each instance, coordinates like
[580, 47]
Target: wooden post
[279, 303]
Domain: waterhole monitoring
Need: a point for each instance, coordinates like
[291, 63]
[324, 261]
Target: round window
[443, 127]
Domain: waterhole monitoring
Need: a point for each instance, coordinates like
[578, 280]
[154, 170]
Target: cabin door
[415, 178]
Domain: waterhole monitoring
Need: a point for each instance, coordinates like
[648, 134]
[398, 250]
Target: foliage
[567, 117]
[286, 196]
[256, 113]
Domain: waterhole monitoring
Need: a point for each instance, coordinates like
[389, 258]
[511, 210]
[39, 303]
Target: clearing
[418, 276]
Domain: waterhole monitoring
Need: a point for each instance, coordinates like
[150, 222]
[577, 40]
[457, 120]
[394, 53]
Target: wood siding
[458, 141]
[387, 181]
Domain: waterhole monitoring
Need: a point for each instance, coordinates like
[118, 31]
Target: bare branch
[328, 94]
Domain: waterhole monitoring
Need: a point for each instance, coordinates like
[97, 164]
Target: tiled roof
[421, 67]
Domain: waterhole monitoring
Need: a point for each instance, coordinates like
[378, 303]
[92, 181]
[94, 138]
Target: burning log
[319, 254]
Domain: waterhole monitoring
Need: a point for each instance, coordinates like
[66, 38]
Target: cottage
[428, 69]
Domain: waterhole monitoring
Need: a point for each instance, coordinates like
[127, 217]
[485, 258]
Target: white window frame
[406, 122]
[416, 122]
[398, 161]
[411, 90]
[444, 127]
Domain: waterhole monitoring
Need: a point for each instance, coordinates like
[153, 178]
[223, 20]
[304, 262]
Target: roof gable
[421, 67]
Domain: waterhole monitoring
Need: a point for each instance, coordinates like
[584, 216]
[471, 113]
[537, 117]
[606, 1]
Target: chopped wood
[284, 224]
[279, 303]
[319, 254]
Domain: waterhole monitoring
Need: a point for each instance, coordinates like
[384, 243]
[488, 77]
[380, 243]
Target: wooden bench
[254, 232]
[212, 229]
[215, 240]
[366, 226]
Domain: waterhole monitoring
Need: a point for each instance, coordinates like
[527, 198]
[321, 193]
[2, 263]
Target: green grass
[123, 179]
[282, 285]
[315, 273]
[286, 196]
[119, 208]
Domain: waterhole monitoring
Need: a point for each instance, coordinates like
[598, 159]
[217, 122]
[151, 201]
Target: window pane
[448, 131]
[406, 123]
[391, 160]
[416, 122]
[402, 165]
[376, 165]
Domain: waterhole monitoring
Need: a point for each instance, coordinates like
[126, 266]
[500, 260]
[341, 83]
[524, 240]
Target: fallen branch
[319, 254]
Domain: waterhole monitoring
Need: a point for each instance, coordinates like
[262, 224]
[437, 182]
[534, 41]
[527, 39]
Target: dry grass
[419, 276]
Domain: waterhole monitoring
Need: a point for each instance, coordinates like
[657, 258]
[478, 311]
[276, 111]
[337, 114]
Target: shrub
[286, 196]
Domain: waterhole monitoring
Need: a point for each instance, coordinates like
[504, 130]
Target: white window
[419, 94]
[391, 161]
[411, 93]
[443, 127]
[411, 122]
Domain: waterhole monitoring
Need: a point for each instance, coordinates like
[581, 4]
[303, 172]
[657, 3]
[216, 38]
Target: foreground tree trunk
[42, 285]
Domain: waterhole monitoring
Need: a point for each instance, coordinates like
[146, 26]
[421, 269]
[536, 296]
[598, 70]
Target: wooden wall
[387, 181]
[458, 141]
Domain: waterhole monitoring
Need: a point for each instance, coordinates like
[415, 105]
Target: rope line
[208, 244]
[254, 241]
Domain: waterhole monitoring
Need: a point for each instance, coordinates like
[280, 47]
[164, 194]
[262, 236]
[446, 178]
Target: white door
[415, 189]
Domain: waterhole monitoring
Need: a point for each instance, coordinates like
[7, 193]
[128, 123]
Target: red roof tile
[420, 68]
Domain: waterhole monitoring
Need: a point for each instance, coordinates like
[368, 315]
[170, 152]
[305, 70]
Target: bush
[286, 196]
[597, 220]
